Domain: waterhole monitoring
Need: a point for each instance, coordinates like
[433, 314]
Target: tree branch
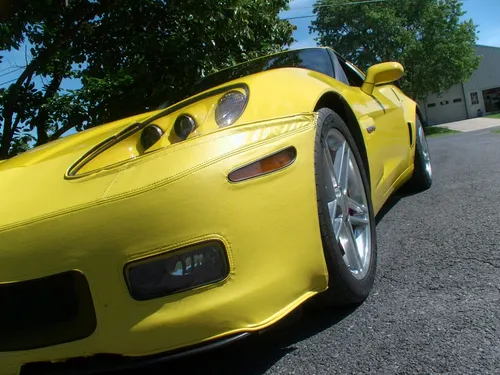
[59, 132]
[8, 110]
[40, 121]
[27, 74]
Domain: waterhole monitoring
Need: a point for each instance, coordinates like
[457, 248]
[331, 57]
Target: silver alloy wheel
[424, 147]
[347, 203]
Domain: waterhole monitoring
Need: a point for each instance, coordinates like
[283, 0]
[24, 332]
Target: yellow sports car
[213, 217]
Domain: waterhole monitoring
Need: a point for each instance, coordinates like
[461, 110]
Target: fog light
[177, 271]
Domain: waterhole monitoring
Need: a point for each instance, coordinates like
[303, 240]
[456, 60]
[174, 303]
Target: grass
[434, 131]
[495, 115]
[496, 131]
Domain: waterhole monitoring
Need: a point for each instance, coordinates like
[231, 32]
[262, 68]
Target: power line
[12, 71]
[4, 83]
[298, 18]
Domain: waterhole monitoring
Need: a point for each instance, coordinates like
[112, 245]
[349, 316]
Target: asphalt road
[435, 306]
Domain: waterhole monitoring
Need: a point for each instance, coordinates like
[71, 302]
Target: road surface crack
[467, 259]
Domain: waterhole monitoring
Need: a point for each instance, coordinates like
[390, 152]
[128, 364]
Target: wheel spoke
[332, 208]
[359, 221]
[357, 207]
[350, 246]
[338, 223]
[330, 179]
[335, 219]
[341, 165]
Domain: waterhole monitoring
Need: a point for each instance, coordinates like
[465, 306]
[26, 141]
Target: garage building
[480, 95]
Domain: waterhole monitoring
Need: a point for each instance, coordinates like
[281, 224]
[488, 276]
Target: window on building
[444, 102]
[474, 98]
[458, 100]
[430, 105]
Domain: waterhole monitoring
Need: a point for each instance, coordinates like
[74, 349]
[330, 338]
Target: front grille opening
[47, 311]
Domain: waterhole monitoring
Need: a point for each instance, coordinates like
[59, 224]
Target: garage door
[448, 107]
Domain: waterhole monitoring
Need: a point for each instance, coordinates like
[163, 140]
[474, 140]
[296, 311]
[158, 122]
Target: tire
[422, 175]
[350, 277]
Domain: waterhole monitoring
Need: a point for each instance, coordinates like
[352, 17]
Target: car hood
[34, 183]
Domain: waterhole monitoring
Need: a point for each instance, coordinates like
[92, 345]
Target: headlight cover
[150, 135]
[183, 126]
[177, 271]
[230, 107]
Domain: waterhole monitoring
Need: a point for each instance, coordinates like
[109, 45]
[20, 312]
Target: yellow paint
[128, 203]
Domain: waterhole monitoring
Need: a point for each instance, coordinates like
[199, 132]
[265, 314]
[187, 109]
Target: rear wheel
[422, 174]
[345, 212]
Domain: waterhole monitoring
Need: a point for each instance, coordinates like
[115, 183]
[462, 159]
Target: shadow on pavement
[256, 354]
[391, 202]
[387, 207]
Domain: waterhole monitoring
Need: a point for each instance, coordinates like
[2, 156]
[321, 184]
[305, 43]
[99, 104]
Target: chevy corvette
[212, 217]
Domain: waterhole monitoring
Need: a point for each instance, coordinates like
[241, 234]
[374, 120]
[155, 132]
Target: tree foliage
[128, 55]
[427, 36]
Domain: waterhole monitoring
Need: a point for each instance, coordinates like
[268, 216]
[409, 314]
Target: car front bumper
[268, 225]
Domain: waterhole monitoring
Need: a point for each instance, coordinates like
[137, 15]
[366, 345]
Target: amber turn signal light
[266, 165]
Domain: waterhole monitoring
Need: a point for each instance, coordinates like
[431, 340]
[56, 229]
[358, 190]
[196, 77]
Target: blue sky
[484, 13]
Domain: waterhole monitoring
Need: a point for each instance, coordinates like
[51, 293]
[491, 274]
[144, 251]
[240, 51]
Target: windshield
[316, 59]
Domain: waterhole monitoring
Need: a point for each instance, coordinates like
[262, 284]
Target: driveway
[473, 124]
[435, 306]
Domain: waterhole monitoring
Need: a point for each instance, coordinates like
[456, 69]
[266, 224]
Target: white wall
[446, 107]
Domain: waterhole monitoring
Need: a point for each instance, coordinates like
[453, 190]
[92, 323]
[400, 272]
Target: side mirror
[381, 74]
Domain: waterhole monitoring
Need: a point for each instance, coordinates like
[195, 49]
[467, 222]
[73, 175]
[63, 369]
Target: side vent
[411, 134]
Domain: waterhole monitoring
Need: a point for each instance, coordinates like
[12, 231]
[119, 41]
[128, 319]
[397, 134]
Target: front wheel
[345, 212]
[422, 174]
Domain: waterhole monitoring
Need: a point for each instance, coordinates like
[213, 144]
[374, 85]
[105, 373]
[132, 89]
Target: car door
[394, 119]
[386, 133]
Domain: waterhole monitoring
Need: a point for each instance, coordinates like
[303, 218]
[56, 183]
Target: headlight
[177, 271]
[150, 135]
[230, 108]
[183, 126]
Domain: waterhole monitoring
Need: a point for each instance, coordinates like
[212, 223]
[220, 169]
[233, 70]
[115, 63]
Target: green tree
[427, 36]
[128, 55]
